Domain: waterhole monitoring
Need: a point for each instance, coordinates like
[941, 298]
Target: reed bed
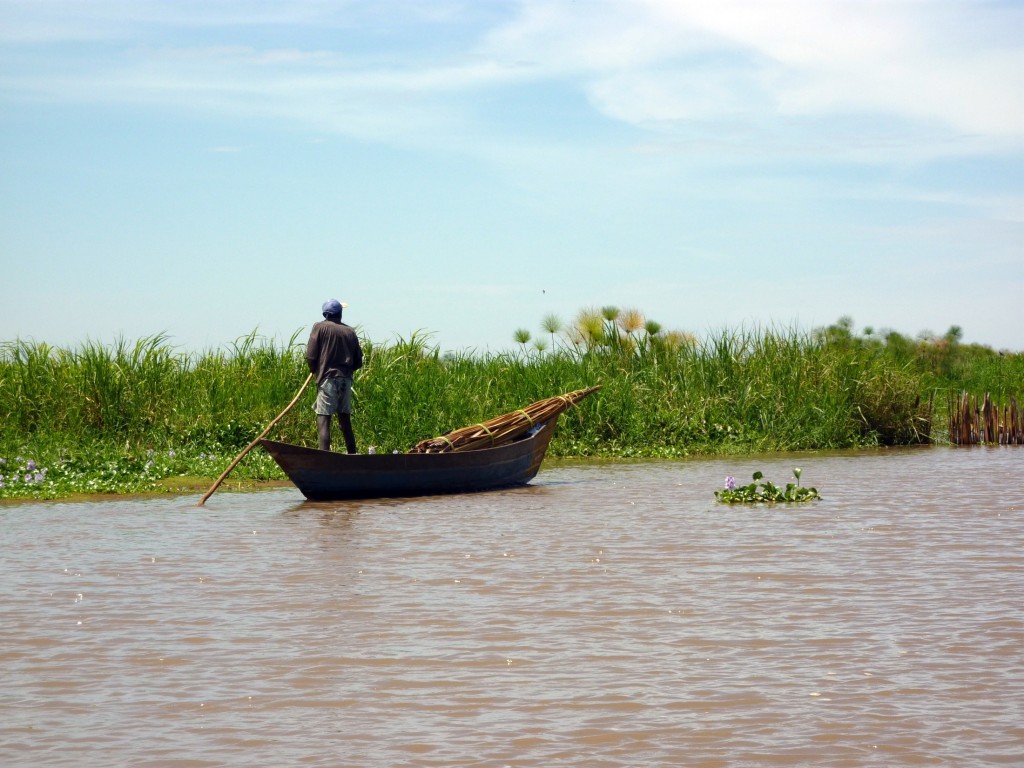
[738, 391]
[148, 407]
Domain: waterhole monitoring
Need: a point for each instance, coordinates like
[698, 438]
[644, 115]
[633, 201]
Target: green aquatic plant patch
[765, 492]
[104, 469]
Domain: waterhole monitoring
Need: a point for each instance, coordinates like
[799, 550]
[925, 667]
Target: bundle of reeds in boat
[502, 429]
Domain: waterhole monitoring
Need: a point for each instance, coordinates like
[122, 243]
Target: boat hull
[329, 476]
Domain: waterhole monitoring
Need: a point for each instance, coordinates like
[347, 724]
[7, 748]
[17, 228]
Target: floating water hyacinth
[765, 492]
[145, 471]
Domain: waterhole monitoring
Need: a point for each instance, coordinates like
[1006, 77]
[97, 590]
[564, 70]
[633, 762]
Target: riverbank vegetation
[132, 416]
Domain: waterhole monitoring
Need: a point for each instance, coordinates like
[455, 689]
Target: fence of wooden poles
[974, 421]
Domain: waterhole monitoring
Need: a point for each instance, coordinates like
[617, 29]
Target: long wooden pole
[250, 446]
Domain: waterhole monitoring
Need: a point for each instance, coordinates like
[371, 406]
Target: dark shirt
[333, 351]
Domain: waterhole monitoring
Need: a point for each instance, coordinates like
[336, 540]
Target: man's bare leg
[323, 431]
[345, 420]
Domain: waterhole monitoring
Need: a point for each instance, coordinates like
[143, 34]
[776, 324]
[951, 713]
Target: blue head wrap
[332, 307]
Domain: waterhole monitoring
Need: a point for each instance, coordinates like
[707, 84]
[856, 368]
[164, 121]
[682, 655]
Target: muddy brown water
[607, 615]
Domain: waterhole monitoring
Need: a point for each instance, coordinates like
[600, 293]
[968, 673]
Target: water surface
[607, 615]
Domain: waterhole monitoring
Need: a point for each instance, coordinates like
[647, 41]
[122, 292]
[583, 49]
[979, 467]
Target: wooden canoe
[328, 476]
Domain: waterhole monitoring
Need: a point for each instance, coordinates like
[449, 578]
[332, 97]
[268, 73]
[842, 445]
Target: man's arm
[357, 356]
[313, 351]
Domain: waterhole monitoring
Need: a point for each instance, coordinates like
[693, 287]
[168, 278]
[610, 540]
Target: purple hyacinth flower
[730, 483]
[31, 466]
[39, 477]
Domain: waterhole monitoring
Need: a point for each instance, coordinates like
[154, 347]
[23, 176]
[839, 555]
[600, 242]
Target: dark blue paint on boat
[328, 476]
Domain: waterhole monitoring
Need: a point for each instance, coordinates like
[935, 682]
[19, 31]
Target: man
[334, 355]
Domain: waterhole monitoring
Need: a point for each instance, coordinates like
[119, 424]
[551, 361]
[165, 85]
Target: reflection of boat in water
[325, 476]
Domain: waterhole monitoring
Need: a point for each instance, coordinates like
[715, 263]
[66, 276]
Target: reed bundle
[973, 421]
[502, 429]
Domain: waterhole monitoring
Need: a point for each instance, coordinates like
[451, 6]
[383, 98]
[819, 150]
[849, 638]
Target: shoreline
[184, 485]
[171, 486]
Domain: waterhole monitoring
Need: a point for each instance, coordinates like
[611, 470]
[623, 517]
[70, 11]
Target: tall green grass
[943, 364]
[144, 392]
[146, 410]
[739, 391]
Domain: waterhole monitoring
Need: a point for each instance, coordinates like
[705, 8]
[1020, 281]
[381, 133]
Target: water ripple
[609, 615]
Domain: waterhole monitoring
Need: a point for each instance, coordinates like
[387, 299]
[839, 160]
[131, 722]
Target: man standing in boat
[334, 355]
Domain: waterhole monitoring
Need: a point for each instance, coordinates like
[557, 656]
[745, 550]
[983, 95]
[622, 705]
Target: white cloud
[924, 61]
[941, 78]
[657, 62]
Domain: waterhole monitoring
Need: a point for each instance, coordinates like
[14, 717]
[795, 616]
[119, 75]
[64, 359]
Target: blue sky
[464, 168]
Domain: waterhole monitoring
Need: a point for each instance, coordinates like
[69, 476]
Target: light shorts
[334, 395]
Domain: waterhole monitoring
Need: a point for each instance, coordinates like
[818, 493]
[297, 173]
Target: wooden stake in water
[973, 421]
[249, 447]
